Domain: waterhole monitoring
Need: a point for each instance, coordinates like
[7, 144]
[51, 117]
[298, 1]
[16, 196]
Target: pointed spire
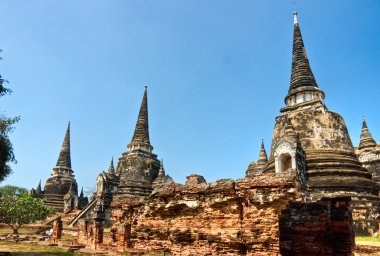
[64, 159]
[366, 139]
[81, 193]
[111, 168]
[256, 168]
[140, 139]
[38, 189]
[161, 172]
[364, 123]
[302, 77]
[263, 158]
[141, 133]
[302, 74]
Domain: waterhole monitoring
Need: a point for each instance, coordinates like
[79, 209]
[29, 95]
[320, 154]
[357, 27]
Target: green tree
[18, 208]
[9, 190]
[6, 127]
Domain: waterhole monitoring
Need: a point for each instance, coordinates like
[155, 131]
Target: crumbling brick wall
[85, 232]
[82, 232]
[318, 228]
[90, 232]
[57, 230]
[260, 215]
[219, 218]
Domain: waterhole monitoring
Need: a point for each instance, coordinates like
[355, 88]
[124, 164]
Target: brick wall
[219, 218]
[318, 228]
[261, 215]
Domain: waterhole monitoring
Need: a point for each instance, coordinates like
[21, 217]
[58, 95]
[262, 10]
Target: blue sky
[217, 73]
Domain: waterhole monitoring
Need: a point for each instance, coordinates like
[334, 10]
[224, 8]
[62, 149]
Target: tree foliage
[6, 127]
[18, 208]
[9, 190]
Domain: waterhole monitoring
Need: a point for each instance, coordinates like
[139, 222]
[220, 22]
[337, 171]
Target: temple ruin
[308, 197]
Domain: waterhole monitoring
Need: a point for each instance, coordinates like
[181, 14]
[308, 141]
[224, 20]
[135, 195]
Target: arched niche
[285, 157]
[284, 162]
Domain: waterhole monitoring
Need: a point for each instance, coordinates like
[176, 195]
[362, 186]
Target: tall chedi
[139, 167]
[61, 189]
[137, 173]
[314, 141]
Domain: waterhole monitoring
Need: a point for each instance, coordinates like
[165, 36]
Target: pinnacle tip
[262, 143]
[295, 17]
[364, 123]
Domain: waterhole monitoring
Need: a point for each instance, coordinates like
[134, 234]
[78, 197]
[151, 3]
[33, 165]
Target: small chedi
[368, 152]
[306, 198]
[61, 189]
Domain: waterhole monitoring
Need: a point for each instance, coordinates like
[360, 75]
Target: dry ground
[365, 246]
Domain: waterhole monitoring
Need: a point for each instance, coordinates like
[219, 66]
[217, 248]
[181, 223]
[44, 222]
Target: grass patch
[367, 239]
[18, 249]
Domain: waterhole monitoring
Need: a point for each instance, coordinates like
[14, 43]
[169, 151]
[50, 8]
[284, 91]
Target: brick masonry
[221, 218]
[319, 228]
[57, 230]
[261, 215]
